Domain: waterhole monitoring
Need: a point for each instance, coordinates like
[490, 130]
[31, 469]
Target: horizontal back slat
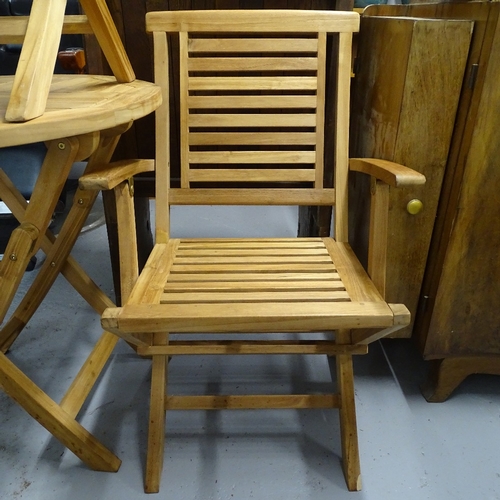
[246, 157]
[242, 196]
[252, 138]
[253, 64]
[253, 83]
[251, 175]
[251, 102]
[268, 45]
[251, 120]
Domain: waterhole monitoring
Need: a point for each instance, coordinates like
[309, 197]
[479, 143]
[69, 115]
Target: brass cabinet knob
[414, 206]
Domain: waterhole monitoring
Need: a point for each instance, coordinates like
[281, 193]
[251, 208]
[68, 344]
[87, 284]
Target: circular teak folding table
[78, 117]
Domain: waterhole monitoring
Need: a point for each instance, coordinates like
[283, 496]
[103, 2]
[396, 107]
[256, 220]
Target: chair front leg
[156, 434]
[348, 428]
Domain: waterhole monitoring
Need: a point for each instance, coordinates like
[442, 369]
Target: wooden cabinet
[457, 321]
[409, 73]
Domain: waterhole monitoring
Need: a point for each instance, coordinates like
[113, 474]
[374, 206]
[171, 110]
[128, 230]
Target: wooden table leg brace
[57, 419]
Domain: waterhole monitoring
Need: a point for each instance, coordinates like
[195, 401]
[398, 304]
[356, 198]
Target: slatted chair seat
[258, 285]
[251, 88]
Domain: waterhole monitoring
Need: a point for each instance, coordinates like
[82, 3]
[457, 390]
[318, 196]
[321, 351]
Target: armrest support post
[377, 244]
[384, 175]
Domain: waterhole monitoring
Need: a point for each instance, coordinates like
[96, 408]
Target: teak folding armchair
[252, 88]
[78, 117]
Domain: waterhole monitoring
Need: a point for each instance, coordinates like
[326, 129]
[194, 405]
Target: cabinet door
[465, 318]
[409, 73]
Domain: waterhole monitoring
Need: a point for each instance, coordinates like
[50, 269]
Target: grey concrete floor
[410, 449]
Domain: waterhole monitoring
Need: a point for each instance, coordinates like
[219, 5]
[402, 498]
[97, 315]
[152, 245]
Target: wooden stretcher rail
[13, 29]
[252, 402]
[252, 347]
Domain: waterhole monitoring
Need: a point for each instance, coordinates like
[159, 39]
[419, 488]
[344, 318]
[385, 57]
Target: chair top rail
[274, 21]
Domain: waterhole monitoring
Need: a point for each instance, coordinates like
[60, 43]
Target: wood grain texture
[391, 173]
[393, 112]
[469, 286]
[75, 104]
[276, 21]
[31, 84]
[13, 29]
[251, 285]
[58, 422]
[109, 40]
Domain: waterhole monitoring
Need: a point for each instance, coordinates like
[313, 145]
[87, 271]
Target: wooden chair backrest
[40, 33]
[252, 88]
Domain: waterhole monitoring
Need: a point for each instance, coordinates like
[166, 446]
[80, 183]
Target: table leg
[56, 420]
[58, 251]
[25, 239]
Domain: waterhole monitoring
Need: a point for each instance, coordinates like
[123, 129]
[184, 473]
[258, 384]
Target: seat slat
[252, 243]
[253, 297]
[268, 286]
[330, 276]
[251, 268]
[253, 259]
[309, 252]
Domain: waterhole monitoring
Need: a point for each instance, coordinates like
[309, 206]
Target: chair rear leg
[156, 433]
[348, 427]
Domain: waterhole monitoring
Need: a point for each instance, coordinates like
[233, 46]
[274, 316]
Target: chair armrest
[111, 174]
[384, 175]
[389, 172]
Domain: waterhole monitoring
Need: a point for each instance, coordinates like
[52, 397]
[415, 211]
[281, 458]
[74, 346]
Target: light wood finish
[31, 85]
[276, 21]
[108, 38]
[26, 238]
[253, 285]
[393, 174]
[57, 251]
[157, 408]
[40, 34]
[75, 104]
[109, 175]
[13, 29]
[57, 421]
[348, 428]
[77, 116]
